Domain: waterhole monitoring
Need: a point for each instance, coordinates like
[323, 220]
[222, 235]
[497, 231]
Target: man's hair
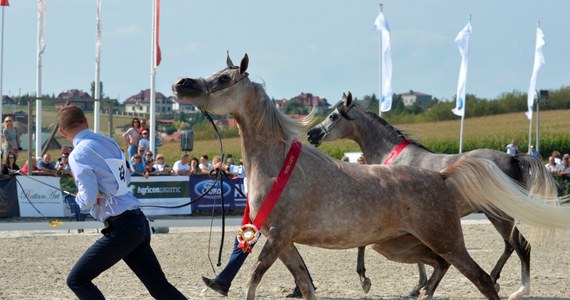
[70, 117]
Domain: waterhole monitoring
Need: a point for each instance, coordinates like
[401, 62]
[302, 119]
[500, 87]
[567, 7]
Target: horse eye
[333, 117]
[224, 79]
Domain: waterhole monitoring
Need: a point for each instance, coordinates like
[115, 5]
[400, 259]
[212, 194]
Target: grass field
[483, 132]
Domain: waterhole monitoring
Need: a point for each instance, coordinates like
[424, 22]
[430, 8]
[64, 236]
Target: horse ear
[229, 61]
[243, 64]
[348, 100]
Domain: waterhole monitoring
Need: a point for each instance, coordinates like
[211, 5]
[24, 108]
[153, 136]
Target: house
[76, 97]
[308, 99]
[413, 97]
[140, 103]
[6, 100]
[183, 105]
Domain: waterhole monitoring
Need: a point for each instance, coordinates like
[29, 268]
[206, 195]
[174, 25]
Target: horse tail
[535, 177]
[486, 187]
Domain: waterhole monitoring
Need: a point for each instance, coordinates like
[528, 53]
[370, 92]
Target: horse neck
[376, 141]
[261, 155]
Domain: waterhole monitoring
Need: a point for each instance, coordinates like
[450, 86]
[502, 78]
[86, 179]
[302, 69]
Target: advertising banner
[157, 193]
[233, 200]
[37, 199]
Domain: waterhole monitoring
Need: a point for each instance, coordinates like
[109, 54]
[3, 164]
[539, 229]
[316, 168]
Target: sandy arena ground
[34, 265]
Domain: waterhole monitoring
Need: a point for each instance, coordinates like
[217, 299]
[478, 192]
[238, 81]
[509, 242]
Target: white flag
[462, 42]
[98, 33]
[538, 62]
[41, 26]
[386, 80]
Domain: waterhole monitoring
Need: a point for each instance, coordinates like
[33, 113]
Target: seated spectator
[205, 165]
[552, 166]
[65, 150]
[564, 170]
[140, 151]
[557, 156]
[9, 165]
[62, 166]
[137, 166]
[236, 170]
[182, 166]
[361, 160]
[194, 166]
[149, 168]
[34, 167]
[161, 167]
[148, 155]
[46, 166]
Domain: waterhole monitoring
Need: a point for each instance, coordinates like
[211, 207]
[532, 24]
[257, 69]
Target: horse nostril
[181, 81]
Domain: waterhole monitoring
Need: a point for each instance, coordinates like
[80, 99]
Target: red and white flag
[158, 55]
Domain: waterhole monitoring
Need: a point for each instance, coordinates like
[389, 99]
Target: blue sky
[323, 47]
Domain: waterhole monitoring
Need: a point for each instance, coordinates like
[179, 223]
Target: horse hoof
[497, 287]
[414, 293]
[366, 284]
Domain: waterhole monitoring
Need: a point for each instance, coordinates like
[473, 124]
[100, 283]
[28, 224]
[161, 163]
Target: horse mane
[391, 129]
[267, 118]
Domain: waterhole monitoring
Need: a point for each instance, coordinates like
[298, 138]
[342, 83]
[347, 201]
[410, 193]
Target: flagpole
[538, 62]
[2, 71]
[380, 67]
[153, 63]
[97, 90]
[40, 50]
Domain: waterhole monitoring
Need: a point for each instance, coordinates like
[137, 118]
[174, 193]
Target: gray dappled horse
[381, 142]
[337, 205]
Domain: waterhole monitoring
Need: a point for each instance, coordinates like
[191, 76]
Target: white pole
[39, 82]
[380, 69]
[152, 81]
[2, 71]
[530, 133]
[97, 91]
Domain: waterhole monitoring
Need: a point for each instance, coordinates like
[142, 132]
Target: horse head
[210, 93]
[324, 130]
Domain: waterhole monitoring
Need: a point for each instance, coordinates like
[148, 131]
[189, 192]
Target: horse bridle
[210, 92]
[333, 124]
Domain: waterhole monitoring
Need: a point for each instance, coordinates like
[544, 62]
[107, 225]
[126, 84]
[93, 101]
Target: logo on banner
[215, 193]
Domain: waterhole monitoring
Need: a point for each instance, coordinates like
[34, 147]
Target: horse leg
[409, 249]
[513, 241]
[279, 246]
[464, 263]
[422, 281]
[292, 259]
[361, 270]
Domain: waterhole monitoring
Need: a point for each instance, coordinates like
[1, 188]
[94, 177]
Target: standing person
[102, 178]
[144, 142]
[512, 148]
[10, 137]
[132, 136]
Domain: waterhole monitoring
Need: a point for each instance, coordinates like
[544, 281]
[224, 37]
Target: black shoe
[296, 293]
[216, 286]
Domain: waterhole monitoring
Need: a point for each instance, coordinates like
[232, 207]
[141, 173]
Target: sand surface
[34, 265]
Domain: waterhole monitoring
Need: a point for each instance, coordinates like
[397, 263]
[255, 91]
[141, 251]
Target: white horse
[410, 213]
